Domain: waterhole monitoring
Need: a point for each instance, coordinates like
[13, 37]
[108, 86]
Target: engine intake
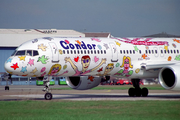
[169, 77]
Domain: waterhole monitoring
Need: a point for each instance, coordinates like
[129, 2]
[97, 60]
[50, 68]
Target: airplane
[85, 62]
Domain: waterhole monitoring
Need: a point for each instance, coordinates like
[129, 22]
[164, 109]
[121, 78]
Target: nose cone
[9, 67]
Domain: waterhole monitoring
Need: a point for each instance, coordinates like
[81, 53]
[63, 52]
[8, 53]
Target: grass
[116, 87]
[89, 110]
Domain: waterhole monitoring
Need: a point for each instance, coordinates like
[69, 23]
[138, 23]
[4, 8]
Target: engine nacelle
[83, 82]
[169, 77]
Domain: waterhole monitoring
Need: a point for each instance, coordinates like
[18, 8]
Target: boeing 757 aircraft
[85, 61]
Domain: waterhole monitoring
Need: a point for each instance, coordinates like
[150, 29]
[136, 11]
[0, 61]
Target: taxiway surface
[32, 92]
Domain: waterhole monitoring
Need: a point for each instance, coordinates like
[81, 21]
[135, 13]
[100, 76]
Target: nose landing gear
[48, 95]
[8, 78]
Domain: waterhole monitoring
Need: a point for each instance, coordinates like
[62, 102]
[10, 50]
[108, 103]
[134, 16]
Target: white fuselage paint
[119, 57]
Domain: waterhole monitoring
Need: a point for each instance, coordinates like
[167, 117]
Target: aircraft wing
[155, 65]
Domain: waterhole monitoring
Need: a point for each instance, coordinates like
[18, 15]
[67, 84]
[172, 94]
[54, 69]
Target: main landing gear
[137, 91]
[48, 95]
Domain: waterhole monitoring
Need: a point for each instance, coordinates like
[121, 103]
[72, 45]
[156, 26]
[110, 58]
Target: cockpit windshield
[25, 52]
[18, 53]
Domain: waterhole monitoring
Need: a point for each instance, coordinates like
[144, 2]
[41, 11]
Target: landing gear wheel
[6, 87]
[48, 96]
[138, 92]
[144, 92]
[131, 92]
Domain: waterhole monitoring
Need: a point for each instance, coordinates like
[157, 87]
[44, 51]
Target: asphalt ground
[32, 92]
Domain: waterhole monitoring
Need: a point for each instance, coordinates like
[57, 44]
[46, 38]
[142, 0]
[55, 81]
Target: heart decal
[96, 59]
[76, 59]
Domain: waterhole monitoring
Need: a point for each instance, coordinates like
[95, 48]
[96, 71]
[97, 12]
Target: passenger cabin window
[94, 51]
[165, 51]
[98, 51]
[91, 51]
[156, 51]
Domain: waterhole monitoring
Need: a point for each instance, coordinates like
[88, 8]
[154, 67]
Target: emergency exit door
[114, 52]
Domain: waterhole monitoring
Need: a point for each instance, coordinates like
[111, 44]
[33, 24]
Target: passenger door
[55, 54]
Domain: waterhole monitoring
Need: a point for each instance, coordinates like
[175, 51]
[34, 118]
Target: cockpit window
[29, 52]
[35, 52]
[20, 53]
[25, 52]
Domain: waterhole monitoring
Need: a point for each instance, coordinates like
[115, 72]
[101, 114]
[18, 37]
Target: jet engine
[169, 77]
[83, 82]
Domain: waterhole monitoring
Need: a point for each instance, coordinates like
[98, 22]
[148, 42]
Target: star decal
[78, 42]
[169, 58]
[136, 49]
[166, 48]
[91, 78]
[101, 69]
[31, 61]
[117, 43]
[9, 60]
[42, 59]
[117, 64]
[106, 46]
[34, 71]
[177, 57]
[22, 58]
[15, 66]
[60, 52]
[42, 47]
[24, 69]
[144, 56]
[175, 40]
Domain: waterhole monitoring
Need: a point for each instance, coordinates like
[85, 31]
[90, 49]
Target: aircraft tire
[145, 92]
[6, 87]
[48, 96]
[131, 92]
[138, 92]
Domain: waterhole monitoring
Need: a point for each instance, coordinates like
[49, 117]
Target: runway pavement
[32, 92]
